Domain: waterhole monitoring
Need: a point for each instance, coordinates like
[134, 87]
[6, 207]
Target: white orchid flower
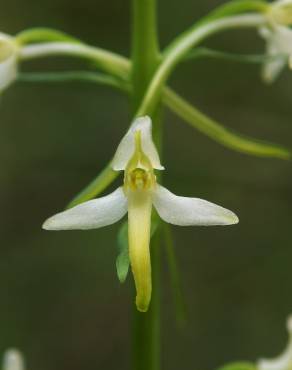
[8, 60]
[138, 158]
[13, 360]
[279, 48]
[278, 37]
[282, 362]
[280, 12]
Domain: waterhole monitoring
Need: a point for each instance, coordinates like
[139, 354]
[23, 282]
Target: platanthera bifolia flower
[279, 48]
[8, 60]
[278, 37]
[138, 158]
[282, 362]
[280, 12]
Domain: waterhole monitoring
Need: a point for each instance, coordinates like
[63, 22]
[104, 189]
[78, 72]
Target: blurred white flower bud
[8, 60]
[13, 360]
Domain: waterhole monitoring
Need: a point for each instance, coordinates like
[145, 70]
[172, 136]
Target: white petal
[271, 70]
[8, 61]
[126, 147]
[13, 360]
[92, 214]
[185, 211]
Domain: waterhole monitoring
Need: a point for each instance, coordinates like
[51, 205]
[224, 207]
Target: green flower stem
[179, 106]
[219, 133]
[42, 34]
[237, 7]
[239, 366]
[111, 63]
[75, 76]
[145, 58]
[182, 45]
[145, 49]
[203, 52]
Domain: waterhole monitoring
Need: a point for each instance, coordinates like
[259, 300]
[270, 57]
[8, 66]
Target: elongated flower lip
[126, 147]
[139, 224]
[8, 60]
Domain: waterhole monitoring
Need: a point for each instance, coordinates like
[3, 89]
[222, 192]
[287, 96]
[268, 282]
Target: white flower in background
[282, 362]
[13, 360]
[279, 48]
[278, 37]
[138, 158]
[281, 12]
[8, 60]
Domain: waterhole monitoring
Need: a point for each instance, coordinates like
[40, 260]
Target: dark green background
[60, 300]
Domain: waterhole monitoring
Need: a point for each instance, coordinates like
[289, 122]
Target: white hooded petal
[282, 362]
[92, 214]
[185, 211]
[13, 360]
[126, 147]
[8, 61]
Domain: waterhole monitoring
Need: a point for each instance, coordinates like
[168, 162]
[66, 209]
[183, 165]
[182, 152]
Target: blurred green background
[61, 302]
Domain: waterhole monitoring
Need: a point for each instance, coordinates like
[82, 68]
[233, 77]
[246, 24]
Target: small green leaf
[123, 260]
[238, 366]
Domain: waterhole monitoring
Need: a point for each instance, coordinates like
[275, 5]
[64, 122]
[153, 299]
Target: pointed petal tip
[232, 219]
[47, 225]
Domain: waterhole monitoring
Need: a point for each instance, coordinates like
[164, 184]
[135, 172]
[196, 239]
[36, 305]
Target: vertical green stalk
[145, 50]
[145, 59]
